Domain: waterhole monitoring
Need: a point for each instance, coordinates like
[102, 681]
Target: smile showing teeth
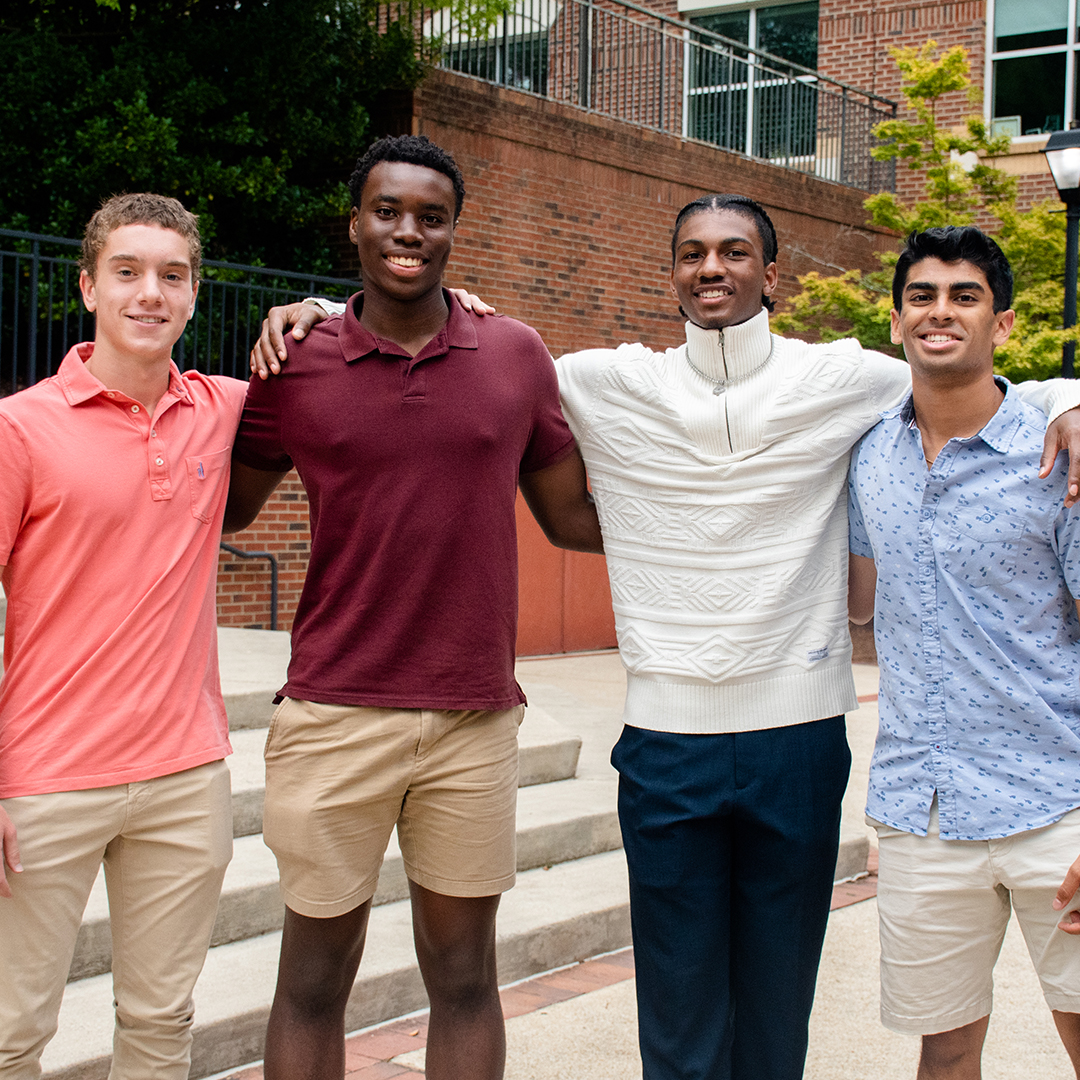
[938, 339]
[148, 319]
[712, 294]
[405, 260]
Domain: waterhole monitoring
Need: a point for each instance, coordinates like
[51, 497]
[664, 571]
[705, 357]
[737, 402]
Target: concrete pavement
[593, 1034]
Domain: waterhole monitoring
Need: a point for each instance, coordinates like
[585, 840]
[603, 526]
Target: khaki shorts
[943, 907]
[339, 777]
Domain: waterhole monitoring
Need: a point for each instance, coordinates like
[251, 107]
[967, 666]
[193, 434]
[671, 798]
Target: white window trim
[1069, 48]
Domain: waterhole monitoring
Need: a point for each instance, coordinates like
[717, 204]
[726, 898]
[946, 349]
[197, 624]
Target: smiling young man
[411, 423]
[719, 470]
[975, 780]
[112, 724]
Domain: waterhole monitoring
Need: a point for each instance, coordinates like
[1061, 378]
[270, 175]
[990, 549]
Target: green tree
[251, 112]
[958, 187]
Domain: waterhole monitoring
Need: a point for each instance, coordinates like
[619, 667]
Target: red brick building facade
[1022, 55]
[568, 216]
[567, 227]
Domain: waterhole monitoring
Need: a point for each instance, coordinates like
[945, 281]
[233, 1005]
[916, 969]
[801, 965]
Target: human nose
[150, 289]
[712, 265]
[941, 310]
[407, 229]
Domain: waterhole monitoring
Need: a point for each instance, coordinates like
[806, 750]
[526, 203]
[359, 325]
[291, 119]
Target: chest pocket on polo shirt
[982, 545]
[206, 479]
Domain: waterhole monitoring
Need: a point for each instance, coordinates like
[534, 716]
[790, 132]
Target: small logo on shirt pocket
[206, 479]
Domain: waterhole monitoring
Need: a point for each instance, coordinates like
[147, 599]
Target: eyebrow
[952, 286]
[397, 202]
[726, 240]
[138, 259]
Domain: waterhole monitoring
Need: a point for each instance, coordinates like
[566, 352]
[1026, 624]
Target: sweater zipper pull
[721, 386]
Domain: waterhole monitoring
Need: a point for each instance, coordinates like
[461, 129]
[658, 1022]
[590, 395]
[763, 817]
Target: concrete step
[254, 665]
[552, 917]
[557, 822]
[547, 752]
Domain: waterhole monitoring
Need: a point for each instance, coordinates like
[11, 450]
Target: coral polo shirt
[411, 467]
[109, 527]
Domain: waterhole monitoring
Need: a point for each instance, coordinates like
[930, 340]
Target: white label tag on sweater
[817, 654]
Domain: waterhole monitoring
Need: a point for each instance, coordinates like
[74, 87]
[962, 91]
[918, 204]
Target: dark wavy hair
[957, 243]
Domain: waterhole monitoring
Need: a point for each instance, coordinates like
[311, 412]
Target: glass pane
[519, 62]
[790, 31]
[719, 118]
[712, 68]
[785, 115]
[732, 24]
[1033, 88]
[526, 63]
[1028, 24]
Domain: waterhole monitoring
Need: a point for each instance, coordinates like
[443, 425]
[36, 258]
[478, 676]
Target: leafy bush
[251, 112]
[958, 187]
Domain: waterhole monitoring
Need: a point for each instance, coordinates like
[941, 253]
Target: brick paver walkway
[369, 1055]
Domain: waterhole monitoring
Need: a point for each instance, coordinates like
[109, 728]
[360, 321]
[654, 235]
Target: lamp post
[1062, 152]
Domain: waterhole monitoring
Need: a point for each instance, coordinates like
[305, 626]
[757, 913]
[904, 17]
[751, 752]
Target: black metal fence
[624, 61]
[42, 314]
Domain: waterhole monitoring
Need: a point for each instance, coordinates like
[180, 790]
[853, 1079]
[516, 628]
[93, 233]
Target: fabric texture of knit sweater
[725, 518]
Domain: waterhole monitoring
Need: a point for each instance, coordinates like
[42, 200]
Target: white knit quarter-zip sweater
[725, 517]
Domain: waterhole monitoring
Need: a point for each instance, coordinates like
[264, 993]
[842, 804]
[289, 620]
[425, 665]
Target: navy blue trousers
[731, 842]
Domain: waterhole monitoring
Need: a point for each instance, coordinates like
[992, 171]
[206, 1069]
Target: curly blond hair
[140, 208]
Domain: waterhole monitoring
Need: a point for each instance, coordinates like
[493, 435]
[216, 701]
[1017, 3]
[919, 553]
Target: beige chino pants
[165, 844]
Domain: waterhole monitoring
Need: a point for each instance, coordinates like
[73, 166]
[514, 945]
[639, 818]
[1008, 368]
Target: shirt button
[134, 408]
[153, 434]
[159, 461]
[109, 393]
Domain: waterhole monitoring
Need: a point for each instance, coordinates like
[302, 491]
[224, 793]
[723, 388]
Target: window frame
[750, 86]
[1070, 48]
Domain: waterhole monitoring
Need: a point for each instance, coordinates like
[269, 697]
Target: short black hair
[737, 204]
[413, 150]
[951, 244]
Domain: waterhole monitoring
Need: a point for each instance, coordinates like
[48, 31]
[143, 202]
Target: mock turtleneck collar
[732, 353]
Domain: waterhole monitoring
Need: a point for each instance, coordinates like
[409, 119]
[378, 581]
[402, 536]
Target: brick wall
[855, 38]
[567, 222]
[566, 226]
[244, 584]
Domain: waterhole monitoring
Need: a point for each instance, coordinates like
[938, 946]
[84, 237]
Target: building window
[1032, 46]
[737, 103]
[520, 62]
[512, 51]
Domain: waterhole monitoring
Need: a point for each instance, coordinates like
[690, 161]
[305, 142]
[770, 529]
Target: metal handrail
[42, 315]
[272, 559]
[622, 60]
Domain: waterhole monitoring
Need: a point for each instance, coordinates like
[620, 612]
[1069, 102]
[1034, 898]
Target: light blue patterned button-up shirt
[977, 634]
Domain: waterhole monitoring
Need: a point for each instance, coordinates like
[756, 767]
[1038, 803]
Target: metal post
[841, 172]
[32, 329]
[1072, 237]
[585, 56]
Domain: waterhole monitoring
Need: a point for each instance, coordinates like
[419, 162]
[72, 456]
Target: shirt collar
[1000, 429]
[357, 342]
[79, 385]
[733, 352]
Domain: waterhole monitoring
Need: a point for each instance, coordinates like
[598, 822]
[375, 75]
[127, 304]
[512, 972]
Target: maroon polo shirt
[411, 468]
